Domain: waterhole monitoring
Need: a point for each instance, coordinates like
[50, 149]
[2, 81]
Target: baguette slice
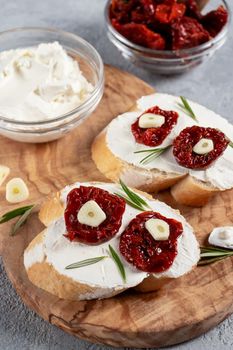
[190, 191]
[39, 256]
[185, 189]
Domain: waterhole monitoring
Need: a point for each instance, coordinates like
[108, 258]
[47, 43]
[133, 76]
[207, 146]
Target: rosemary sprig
[85, 262]
[132, 204]
[210, 255]
[95, 260]
[132, 198]
[231, 144]
[14, 213]
[21, 221]
[152, 154]
[186, 106]
[118, 262]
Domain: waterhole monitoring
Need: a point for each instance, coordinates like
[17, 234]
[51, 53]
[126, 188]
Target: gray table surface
[210, 84]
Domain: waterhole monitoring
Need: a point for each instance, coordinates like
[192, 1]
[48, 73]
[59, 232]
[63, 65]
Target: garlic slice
[159, 229]
[222, 237]
[150, 120]
[4, 172]
[16, 190]
[203, 146]
[91, 214]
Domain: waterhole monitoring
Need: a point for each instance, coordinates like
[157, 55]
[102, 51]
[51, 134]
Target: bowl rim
[84, 104]
[169, 53]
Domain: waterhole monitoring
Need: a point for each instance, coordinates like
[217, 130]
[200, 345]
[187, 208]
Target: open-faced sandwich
[102, 239]
[166, 141]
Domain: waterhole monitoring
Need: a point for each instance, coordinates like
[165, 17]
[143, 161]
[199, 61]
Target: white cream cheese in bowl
[40, 83]
[47, 87]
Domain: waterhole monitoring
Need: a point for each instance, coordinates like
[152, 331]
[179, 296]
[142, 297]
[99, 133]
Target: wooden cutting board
[180, 311]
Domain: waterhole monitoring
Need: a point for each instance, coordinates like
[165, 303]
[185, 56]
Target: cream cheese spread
[40, 83]
[122, 144]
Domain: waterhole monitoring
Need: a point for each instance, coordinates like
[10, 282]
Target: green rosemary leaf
[118, 262]
[231, 144]
[85, 262]
[215, 249]
[152, 153]
[211, 255]
[14, 213]
[185, 105]
[128, 201]
[21, 220]
[215, 254]
[134, 197]
[203, 262]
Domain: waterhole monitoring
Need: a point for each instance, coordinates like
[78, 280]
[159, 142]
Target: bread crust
[51, 209]
[192, 192]
[184, 188]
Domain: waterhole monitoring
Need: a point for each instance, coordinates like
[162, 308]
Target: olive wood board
[178, 312]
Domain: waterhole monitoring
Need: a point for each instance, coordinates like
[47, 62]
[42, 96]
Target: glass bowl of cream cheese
[50, 81]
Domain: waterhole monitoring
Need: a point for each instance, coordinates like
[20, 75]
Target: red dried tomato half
[187, 32]
[166, 13]
[120, 10]
[214, 21]
[140, 249]
[155, 136]
[112, 205]
[189, 137]
[143, 12]
[192, 9]
[140, 35]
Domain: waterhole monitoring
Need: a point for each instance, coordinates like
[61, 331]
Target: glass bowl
[165, 61]
[91, 66]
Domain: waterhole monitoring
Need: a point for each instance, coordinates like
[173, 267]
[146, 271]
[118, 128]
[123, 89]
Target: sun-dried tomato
[166, 13]
[112, 205]
[214, 21]
[189, 137]
[166, 24]
[187, 32]
[140, 249]
[155, 136]
[140, 35]
[192, 9]
[121, 10]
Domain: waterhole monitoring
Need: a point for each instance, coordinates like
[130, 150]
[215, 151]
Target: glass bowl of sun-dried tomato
[167, 36]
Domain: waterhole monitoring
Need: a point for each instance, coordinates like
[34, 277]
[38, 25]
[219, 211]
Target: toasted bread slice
[43, 274]
[185, 188]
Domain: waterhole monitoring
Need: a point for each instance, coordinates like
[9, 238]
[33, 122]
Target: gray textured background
[210, 84]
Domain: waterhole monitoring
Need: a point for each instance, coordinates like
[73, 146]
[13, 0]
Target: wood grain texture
[181, 310]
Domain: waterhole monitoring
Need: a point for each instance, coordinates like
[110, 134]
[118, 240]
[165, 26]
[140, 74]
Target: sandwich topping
[150, 242]
[93, 215]
[153, 126]
[198, 147]
[123, 144]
